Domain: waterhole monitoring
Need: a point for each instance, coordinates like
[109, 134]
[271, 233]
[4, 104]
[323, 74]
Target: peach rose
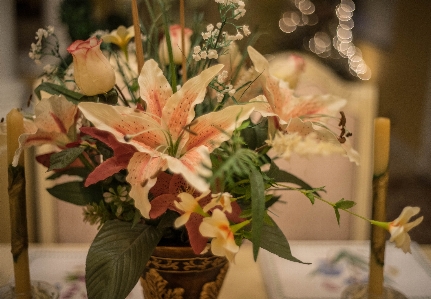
[92, 70]
[178, 52]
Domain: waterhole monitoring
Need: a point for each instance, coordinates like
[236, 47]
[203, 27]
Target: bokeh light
[340, 38]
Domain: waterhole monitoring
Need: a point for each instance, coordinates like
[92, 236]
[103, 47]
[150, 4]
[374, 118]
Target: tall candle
[15, 127]
[380, 183]
[17, 202]
[382, 127]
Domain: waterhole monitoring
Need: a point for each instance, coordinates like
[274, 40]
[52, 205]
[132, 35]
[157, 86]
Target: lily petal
[306, 128]
[216, 127]
[179, 109]
[191, 167]
[154, 88]
[55, 114]
[143, 170]
[122, 121]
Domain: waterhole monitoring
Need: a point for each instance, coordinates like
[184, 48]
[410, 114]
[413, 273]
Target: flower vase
[177, 272]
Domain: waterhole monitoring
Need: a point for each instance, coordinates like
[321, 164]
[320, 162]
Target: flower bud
[177, 51]
[92, 70]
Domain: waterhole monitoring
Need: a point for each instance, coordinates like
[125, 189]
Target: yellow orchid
[120, 37]
[217, 227]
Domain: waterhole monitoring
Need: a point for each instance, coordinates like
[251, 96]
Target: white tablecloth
[63, 266]
[270, 278]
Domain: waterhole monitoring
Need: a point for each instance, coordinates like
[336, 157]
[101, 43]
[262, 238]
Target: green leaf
[310, 196]
[55, 89]
[76, 193]
[64, 158]
[258, 207]
[275, 242]
[117, 258]
[282, 176]
[111, 97]
[167, 220]
[244, 125]
[270, 200]
[79, 171]
[255, 136]
[337, 214]
[345, 204]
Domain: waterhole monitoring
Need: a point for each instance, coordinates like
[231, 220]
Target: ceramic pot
[177, 273]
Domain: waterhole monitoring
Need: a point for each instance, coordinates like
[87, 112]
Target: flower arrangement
[163, 159]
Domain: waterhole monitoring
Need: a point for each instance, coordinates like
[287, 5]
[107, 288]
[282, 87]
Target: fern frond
[229, 165]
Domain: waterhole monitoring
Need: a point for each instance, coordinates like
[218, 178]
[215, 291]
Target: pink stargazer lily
[282, 100]
[289, 113]
[167, 135]
[54, 117]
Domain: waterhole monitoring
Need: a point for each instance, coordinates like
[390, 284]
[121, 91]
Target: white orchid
[400, 227]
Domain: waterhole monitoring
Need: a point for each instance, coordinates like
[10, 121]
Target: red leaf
[122, 155]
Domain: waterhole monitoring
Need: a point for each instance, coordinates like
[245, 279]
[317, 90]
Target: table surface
[244, 278]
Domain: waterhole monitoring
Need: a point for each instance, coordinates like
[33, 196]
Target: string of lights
[327, 43]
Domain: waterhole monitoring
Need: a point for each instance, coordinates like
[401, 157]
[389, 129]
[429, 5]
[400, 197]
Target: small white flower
[222, 77]
[232, 92]
[219, 97]
[50, 29]
[204, 54]
[218, 25]
[239, 36]
[212, 54]
[197, 50]
[49, 69]
[285, 145]
[246, 30]
[196, 57]
[206, 35]
[99, 33]
[210, 27]
[240, 12]
[40, 34]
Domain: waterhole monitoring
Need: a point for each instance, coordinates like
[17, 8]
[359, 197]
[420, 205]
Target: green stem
[234, 228]
[170, 52]
[122, 97]
[85, 162]
[329, 203]
[345, 210]
[150, 10]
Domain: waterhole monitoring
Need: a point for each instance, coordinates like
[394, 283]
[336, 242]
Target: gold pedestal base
[360, 291]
